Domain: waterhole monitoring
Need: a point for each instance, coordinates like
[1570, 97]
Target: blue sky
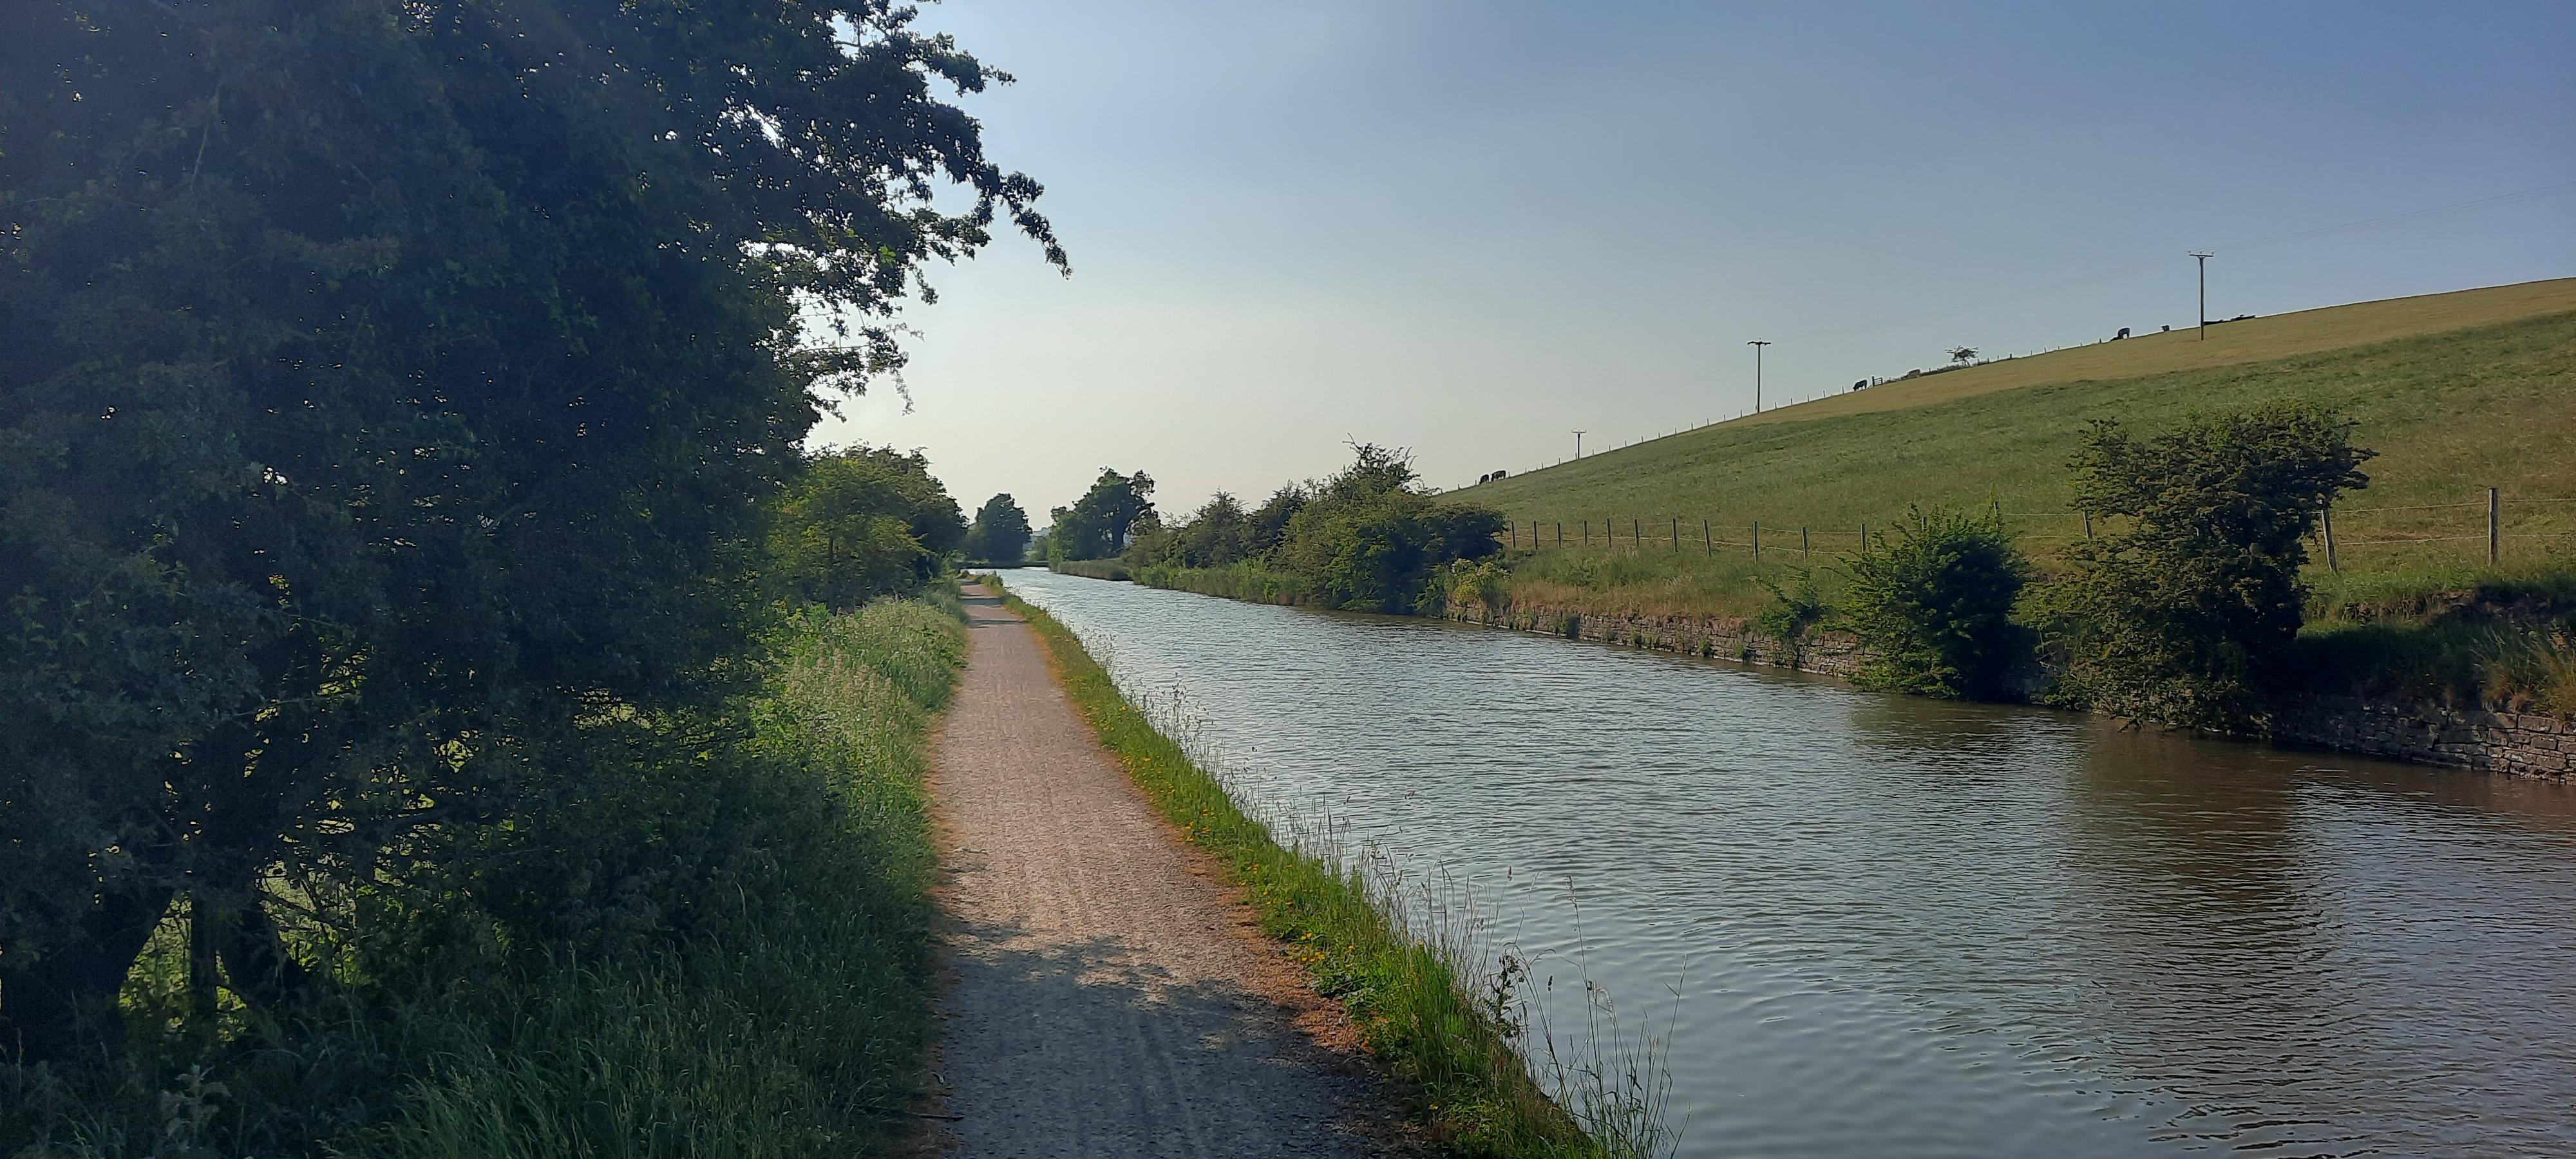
[1472, 228]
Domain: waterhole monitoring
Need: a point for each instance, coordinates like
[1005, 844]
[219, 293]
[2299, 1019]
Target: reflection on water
[1887, 926]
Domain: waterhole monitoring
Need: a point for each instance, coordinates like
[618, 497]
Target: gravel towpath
[1106, 995]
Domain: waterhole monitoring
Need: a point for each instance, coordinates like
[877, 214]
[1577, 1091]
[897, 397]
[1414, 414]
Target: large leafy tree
[1097, 525]
[1000, 533]
[863, 523]
[2186, 613]
[384, 391]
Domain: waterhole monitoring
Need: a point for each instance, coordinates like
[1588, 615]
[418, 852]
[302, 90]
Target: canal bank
[1105, 995]
[2529, 744]
[1095, 1007]
[1872, 924]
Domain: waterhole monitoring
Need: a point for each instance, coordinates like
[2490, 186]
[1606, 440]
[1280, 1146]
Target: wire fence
[2496, 526]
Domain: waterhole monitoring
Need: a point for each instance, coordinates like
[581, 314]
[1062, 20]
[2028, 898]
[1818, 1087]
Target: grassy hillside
[2477, 389]
[2229, 344]
[2451, 413]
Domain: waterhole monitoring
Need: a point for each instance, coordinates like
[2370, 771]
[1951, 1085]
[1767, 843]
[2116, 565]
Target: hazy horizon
[1472, 229]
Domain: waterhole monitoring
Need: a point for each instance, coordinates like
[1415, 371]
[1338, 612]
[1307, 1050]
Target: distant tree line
[1367, 537]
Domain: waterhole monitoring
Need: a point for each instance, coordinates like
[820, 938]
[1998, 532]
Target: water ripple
[1876, 925]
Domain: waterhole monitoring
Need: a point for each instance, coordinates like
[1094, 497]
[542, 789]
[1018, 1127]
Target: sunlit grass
[790, 1018]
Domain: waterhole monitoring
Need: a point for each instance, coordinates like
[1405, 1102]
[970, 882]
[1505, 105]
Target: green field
[2457, 392]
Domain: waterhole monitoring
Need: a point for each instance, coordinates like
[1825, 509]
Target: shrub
[2188, 613]
[1795, 611]
[1933, 602]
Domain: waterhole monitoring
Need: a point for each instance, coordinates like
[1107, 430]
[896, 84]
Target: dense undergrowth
[1449, 1030]
[1247, 580]
[1102, 569]
[755, 985]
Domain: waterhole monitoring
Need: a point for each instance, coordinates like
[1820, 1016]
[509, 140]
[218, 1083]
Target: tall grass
[770, 997]
[1247, 580]
[1101, 569]
[1424, 1002]
[793, 1028]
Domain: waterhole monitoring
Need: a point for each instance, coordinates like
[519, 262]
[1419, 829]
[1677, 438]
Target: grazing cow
[1484, 479]
[2164, 329]
[2124, 332]
[1500, 474]
[1860, 384]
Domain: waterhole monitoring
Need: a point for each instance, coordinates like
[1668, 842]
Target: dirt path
[1107, 997]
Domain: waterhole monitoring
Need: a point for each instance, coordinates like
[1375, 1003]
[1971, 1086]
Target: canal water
[1873, 925]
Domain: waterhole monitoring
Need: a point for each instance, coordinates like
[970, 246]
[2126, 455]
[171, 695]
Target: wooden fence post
[1864, 537]
[1560, 535]
[1802, 541]
[1757, 539]
[1636, 535]
[2088, 526]
[1706, 545]
[1677, 533]
[2328, 517]
[1516, 537]
[1587, 533]
[2494, 546]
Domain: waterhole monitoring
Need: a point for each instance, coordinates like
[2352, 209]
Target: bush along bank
[1448, 1031]
[1099, 569]
[2189, 610]
[721, 947]
[1369, 538]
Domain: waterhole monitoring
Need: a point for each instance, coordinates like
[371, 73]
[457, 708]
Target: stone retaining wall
[2525, 744]
[1721, 637]
[2522, 744]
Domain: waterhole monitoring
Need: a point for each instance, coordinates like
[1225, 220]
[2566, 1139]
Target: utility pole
[1578, 444]
[2202, 257]
[1757, 345]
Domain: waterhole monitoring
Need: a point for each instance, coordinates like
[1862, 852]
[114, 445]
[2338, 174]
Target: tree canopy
[863, 523]
[1367, 537]
[1098, 524]
[385, 390]
[2185, 612]
[1000, 533]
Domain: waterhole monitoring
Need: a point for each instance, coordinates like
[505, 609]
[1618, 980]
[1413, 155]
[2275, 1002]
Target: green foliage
[1933, 602]
[863, 523]
[735, 958]
[1250, 580]
[1000, 533]
[1796, 610]
[1269, 522]
[1219, 534]
[1097, 525]
[391, 402]
[1367, 539]
[1420, 1006]
[2501, 645]
[1482, 584]
[2186, 612]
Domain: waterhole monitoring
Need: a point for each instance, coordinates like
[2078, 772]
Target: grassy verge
[1436, 1023]
[1242, 581]
[736, 960]
[1100, 569]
